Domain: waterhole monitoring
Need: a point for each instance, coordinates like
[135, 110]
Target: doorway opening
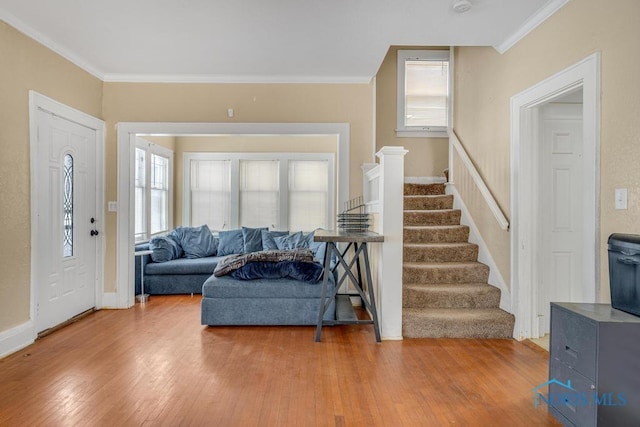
[127, 134]
[555, 194]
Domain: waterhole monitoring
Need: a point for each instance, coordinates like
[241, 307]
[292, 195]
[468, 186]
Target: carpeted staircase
[445, 289]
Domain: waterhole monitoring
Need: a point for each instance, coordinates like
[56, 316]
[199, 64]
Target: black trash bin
[624, 272]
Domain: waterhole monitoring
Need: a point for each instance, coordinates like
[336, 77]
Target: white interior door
[66, 243]
[561, 197]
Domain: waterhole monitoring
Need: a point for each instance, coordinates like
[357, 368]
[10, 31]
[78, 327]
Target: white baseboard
[484, 255]
[424, 180]
[17, 338]
[110, 300]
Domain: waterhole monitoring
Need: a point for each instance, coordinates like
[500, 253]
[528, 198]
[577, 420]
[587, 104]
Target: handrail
[477, 179]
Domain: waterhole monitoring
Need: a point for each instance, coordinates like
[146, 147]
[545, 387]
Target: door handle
[94, 232]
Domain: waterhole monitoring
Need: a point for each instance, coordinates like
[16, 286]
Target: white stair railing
[454, 143]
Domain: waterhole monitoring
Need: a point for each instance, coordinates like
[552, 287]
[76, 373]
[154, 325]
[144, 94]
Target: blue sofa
[229, 301]
[177, 276]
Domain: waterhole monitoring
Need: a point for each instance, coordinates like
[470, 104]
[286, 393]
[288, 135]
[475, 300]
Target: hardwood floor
[156, 365]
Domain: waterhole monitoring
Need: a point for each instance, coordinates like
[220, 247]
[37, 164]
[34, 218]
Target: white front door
[66, 244]
[561, 207]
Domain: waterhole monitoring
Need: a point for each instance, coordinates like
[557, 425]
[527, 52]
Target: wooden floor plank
[155, 364]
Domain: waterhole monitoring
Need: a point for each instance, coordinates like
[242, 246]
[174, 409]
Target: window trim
[403, 131]
[158, 150]
[235, 158]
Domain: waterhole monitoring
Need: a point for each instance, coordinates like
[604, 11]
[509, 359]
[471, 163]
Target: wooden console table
[345, 314]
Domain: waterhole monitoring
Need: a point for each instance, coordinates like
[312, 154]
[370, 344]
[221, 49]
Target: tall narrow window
[153, 189]
[159, 193]
[423, 92]
[67, 206]
[259, 193]
[308, 194]
[140, 195]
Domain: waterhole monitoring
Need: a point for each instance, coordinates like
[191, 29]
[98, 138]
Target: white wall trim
[484, 255]
[585, 74]
[17, 338]
[110, 300]
[551, 7]
[126, 145]
[37, 102]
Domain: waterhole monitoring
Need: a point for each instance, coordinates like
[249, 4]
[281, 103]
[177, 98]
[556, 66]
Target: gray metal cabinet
[594, 365]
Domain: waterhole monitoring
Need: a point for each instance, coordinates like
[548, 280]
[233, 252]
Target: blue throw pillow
[253, 238]
[268, 244]
[318, 248]
[164, 248]
[197, 242]
[290, 241]
[230, 242]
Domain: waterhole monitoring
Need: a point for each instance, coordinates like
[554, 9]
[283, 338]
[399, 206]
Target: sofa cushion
[289, 241]
[204, 265]
[165, 248]
[230, 242]
[268, 244]
[252, 238]
[228, 287]
[196, 242]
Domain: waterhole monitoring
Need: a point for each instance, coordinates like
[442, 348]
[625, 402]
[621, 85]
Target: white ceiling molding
[538, 18]
[50, 44]
[205, 78]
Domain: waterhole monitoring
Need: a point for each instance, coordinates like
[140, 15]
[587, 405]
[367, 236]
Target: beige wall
[427, 157]
[27, 65]
[260, 103]
[485, 81]
[242, 144]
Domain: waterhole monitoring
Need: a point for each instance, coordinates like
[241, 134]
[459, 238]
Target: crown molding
[48, 43]
[216, 78]
[551, 7]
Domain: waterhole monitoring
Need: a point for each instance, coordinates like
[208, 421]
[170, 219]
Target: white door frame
[524, 178]
[37, 102]
[125, 242]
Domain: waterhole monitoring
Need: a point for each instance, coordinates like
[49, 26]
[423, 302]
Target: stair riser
[434, 298]
[428, 202]
[431, 218]
[438, 254]
[454, 274]
[437, 235]
[423, 189]
[428, 328]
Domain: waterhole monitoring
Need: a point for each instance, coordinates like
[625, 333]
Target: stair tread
[439, 244]
[449, 286]
[439, 227]
[458, 313]
[431, 211]
[448, 196]
[456, 264]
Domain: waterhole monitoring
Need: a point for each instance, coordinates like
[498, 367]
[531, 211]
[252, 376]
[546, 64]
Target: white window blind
[308, 194]
[426, 92]
[210, 193]
[260, 193]
[282, 191]
[423, 93]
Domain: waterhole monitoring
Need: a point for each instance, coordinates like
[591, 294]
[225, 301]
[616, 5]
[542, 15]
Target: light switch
[112, 206]
[621, 198]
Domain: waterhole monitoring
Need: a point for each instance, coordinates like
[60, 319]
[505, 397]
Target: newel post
[391, 226]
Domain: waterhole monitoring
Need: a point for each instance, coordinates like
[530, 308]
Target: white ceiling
[260, 40]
